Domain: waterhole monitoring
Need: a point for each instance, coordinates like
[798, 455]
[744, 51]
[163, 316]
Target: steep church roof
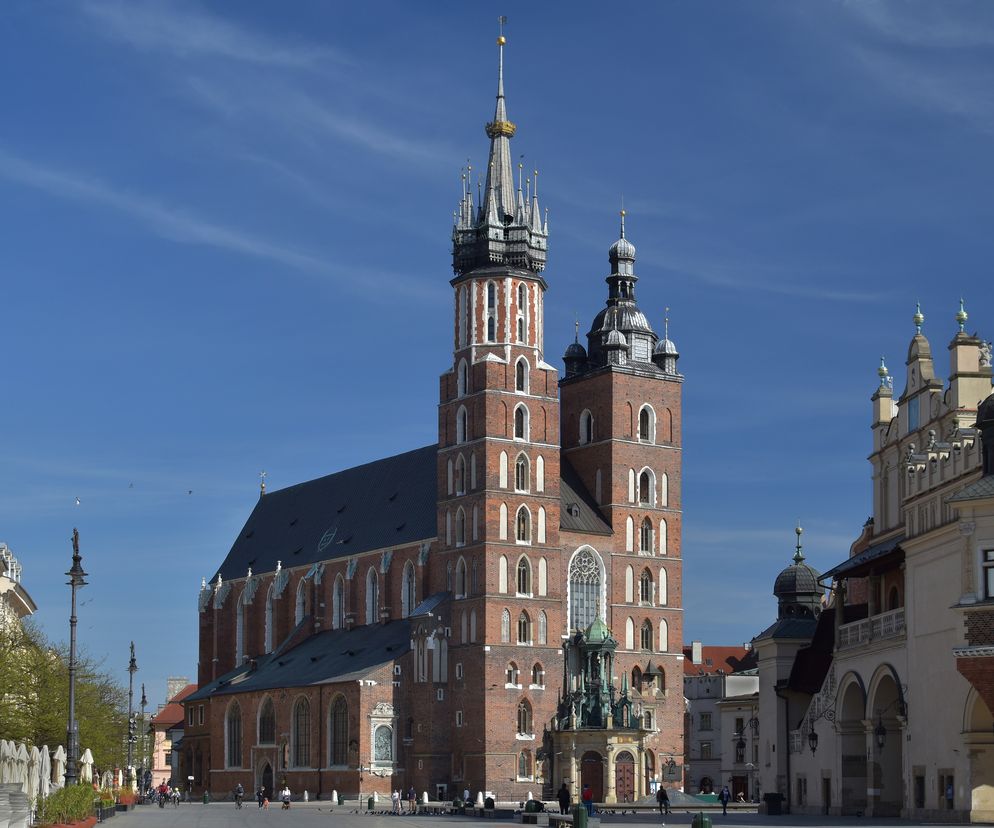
[385, 503]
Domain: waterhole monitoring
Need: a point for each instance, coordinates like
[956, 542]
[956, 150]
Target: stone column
[574, 780]
[874, 773]
[609, 792]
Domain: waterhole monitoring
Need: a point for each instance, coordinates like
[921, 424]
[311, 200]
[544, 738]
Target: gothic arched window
[645, 487]
[462, 381]
[645, 586]
[586, 427]
[521, 375]
[300, 606]
[647, 424]
[525, 765]
[524, 576]
[543, 627]
[511, 674]
[505, 626]
[521, 423]
[645, 639]
[267, 723]
[338, 732]
[524, 717]
[524, 628]
[645, 536]
[269, 620]
[584, 589]
[460, 589]
[338, 604]
[538, 675]
[407, 591]
[302, 734]
[460, 475]
[523, 525]
[372, 597]
[460, 527]
[233, 736]
[462, 425]
[521, 473]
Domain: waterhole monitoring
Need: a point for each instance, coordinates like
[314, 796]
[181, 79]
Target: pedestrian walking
[285, 796]
[723, 797]
[260, 795]
[412, 799]
[565, 800]
[395, 801]
[663, 798]
[588, 799]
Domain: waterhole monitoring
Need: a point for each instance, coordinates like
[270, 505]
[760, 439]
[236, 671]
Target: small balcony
[875, 628]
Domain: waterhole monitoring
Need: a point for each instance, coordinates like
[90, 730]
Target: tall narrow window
[511, 673]
[645, 640]
[645, 536]
[338, 604]
[584, 589]
[269, 621]
[521, 474]
[524, 576]
[491, 296]
[460, 475]
[460, 527]
[502, 574]
[462, 379]
[505, 626]
[647, 424]
[539, 474]
[407, 597]
[523, 523]
[372, 597]
[521, 375]
[520, 423]
[491, 312]
[525, 765]
[472, 627]
[586, 428]
[502, 522]
[521, 329]
[338, 732]
[267, 723]
[543, 627]
[664, 636]
[233, 734]
[645, 587]
[502, 470]
[524, 628]
[302, 734]
[645, 488]
[460, 578]
[301, 604]
[522, 299]
[240, 630]
[662, 597]
[491, 329]
[524, 718]
[462, 428]
[662, 536]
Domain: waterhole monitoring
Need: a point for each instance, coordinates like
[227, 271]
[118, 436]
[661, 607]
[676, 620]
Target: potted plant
[70, 806]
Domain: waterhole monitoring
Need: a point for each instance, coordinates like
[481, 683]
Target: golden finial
[501, 21]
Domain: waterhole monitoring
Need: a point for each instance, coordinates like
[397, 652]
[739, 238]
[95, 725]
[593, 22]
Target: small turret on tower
[969, 378]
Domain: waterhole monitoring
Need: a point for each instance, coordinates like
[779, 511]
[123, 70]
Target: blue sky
[225, 248]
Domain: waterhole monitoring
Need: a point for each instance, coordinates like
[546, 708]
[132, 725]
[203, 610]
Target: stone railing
[875, 628]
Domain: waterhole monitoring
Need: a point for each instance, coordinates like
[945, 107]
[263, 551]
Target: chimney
[174, 684]
[695, 652]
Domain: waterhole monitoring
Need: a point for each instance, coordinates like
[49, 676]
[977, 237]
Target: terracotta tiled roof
[713, 659]
[172, 714]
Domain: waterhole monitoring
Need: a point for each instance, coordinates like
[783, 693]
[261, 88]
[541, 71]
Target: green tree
[34, 697]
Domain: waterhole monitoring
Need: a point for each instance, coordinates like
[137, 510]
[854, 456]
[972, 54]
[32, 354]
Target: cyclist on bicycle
[239, 793]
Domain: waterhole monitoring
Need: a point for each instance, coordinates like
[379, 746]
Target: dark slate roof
[323, 658]
[430, 603]
[790, 627]
[572, 493]
[385, 503]
[872, 554]
[978, 490]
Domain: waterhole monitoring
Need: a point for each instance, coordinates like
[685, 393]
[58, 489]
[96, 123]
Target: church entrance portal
[624, 777]
[266, 780]
[592, 773]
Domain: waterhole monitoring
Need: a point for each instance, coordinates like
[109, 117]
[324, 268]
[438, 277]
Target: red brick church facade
[401, 623]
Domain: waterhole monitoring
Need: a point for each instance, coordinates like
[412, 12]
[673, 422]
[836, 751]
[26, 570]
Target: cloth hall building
[403, 623]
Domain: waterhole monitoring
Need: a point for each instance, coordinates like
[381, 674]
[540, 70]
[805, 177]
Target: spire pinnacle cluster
[504, 226]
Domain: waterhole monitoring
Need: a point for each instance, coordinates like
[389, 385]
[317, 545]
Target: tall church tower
[621, 417]
[498, 473]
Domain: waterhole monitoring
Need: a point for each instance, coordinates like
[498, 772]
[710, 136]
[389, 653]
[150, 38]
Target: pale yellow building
[876, 715]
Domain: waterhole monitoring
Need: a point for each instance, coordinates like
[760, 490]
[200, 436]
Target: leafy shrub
[126, 796]
[69, 804]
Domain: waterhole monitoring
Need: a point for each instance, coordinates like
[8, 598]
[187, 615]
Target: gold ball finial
[501, 40]
[623, 213]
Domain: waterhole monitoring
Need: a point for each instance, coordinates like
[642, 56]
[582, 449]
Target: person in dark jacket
[663, 798]
[723, 797]
[565, 800]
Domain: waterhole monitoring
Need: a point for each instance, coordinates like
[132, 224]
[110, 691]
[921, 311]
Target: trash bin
[341, 799]
[489, 803]
[580, 816]
[774, 804]
[534, 806]
[370, 803]
[207, 797]
[700, 820]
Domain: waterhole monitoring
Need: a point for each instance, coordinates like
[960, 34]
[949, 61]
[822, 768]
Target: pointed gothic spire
[500, 175]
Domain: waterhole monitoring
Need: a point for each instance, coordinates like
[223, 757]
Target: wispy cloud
[169, 222]
[185, 227]
[924, 24]
[186, 31]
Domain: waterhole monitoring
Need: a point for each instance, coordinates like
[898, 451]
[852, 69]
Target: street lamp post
[77, 579]
[132, 669]
[144, 741]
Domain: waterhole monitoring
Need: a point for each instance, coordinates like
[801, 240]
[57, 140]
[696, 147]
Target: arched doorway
[592, 773]
[886, 770]
[266, 780]
[852, 739]
[624, 777]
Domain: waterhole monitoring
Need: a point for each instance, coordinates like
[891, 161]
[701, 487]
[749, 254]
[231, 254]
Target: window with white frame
[521, 473]
[524, 576]
[521, 423]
